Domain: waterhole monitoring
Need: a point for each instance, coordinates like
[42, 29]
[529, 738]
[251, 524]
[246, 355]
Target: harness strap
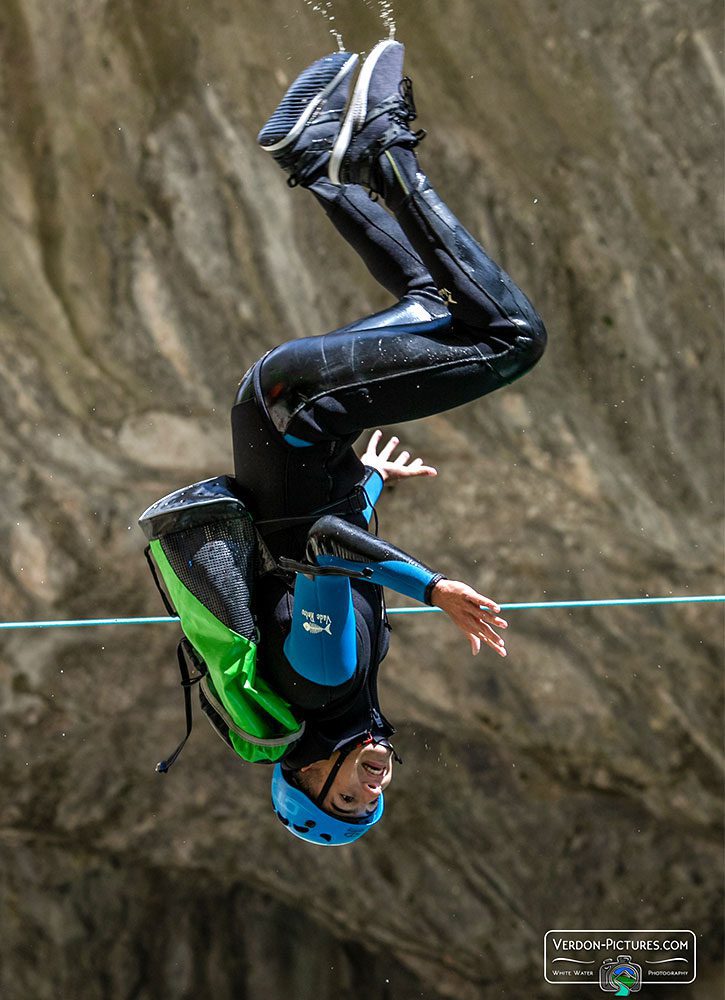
[187, 682]
[354, 503]
[342, 756]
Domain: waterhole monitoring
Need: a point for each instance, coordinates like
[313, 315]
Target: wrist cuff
[371, 471]
[428, 596]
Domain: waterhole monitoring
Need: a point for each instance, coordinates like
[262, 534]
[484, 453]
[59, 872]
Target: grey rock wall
[149, 252]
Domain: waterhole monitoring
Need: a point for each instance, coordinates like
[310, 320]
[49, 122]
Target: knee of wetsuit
[245, 390]
[284, 376]
[530, 341]
[526, 346]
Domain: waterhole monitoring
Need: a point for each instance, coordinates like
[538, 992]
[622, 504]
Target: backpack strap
[152, 566]
[216, 704]
[266, 563]
[187, 682]
[312, 569]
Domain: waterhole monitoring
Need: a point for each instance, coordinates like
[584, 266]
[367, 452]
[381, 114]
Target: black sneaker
[302, 130]
[379, 116]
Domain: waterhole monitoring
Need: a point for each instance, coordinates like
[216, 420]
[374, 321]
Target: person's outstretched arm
[334, 542]
[322, 644]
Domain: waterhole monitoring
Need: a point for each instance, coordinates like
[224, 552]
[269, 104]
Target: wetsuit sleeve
[373, 486]
[334, 542]
[322, 643]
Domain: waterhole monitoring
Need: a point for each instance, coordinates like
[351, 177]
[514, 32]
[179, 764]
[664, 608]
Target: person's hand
[389, 468]
[474, 614]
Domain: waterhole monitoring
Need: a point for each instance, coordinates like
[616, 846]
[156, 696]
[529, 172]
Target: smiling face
[362, 778]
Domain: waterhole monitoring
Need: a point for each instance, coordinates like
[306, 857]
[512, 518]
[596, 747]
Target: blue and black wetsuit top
[323, 638]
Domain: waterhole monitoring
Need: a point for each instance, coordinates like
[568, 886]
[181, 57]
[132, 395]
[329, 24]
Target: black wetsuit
[460, 329]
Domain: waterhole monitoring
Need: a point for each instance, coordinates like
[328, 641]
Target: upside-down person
[460, 329]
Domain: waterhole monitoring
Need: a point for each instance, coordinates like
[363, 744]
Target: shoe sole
[299, 125]
[357, 111]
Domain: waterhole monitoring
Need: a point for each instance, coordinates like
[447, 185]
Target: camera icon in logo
[620, 977]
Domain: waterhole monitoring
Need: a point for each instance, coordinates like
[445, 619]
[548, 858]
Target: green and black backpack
[209, 552]
[204, 543]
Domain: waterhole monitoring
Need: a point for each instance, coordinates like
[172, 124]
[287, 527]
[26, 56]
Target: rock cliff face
[149, 253]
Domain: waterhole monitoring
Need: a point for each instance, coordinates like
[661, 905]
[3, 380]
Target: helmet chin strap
[343, 754]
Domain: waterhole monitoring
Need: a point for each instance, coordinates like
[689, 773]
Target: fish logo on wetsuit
[310, 625]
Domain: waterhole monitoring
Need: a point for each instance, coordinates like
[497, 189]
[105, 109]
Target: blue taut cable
[85, 622]
[610, 602]
[526, 606]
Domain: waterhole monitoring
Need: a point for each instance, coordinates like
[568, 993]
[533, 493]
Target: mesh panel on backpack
[215, 562]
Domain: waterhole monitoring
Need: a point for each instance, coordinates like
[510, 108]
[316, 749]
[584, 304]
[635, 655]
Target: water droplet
[324, 9]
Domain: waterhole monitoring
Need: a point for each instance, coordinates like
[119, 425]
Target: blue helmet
[307, 821]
